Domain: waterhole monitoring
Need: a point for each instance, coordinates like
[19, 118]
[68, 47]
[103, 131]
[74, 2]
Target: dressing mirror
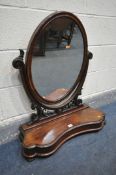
[57, 58]
[53, 74]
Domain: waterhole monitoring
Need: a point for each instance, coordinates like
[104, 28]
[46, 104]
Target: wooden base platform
[45, 137]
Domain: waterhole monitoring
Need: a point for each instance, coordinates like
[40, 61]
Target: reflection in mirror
[57, 58]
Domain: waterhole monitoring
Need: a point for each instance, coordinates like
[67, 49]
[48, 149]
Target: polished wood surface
[46, 137]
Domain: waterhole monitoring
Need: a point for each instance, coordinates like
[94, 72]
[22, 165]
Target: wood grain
[45, 138]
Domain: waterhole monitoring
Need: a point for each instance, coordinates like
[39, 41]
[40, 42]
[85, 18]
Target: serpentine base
[45, 137]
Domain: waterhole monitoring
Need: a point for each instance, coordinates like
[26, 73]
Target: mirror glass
[57, 58]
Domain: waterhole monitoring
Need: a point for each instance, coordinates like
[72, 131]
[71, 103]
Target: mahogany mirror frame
[65, 107]
[27, 77]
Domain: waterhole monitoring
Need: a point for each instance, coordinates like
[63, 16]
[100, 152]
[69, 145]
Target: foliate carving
[42, 113]
[72, 104]
[34, 118]
[18, 62]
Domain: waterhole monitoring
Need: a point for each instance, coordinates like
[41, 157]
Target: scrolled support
[90, 55]
[18, 61]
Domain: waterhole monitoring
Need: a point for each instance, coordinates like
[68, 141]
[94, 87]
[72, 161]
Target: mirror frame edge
[25, 71]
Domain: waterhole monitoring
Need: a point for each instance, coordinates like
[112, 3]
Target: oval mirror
[57, 58]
